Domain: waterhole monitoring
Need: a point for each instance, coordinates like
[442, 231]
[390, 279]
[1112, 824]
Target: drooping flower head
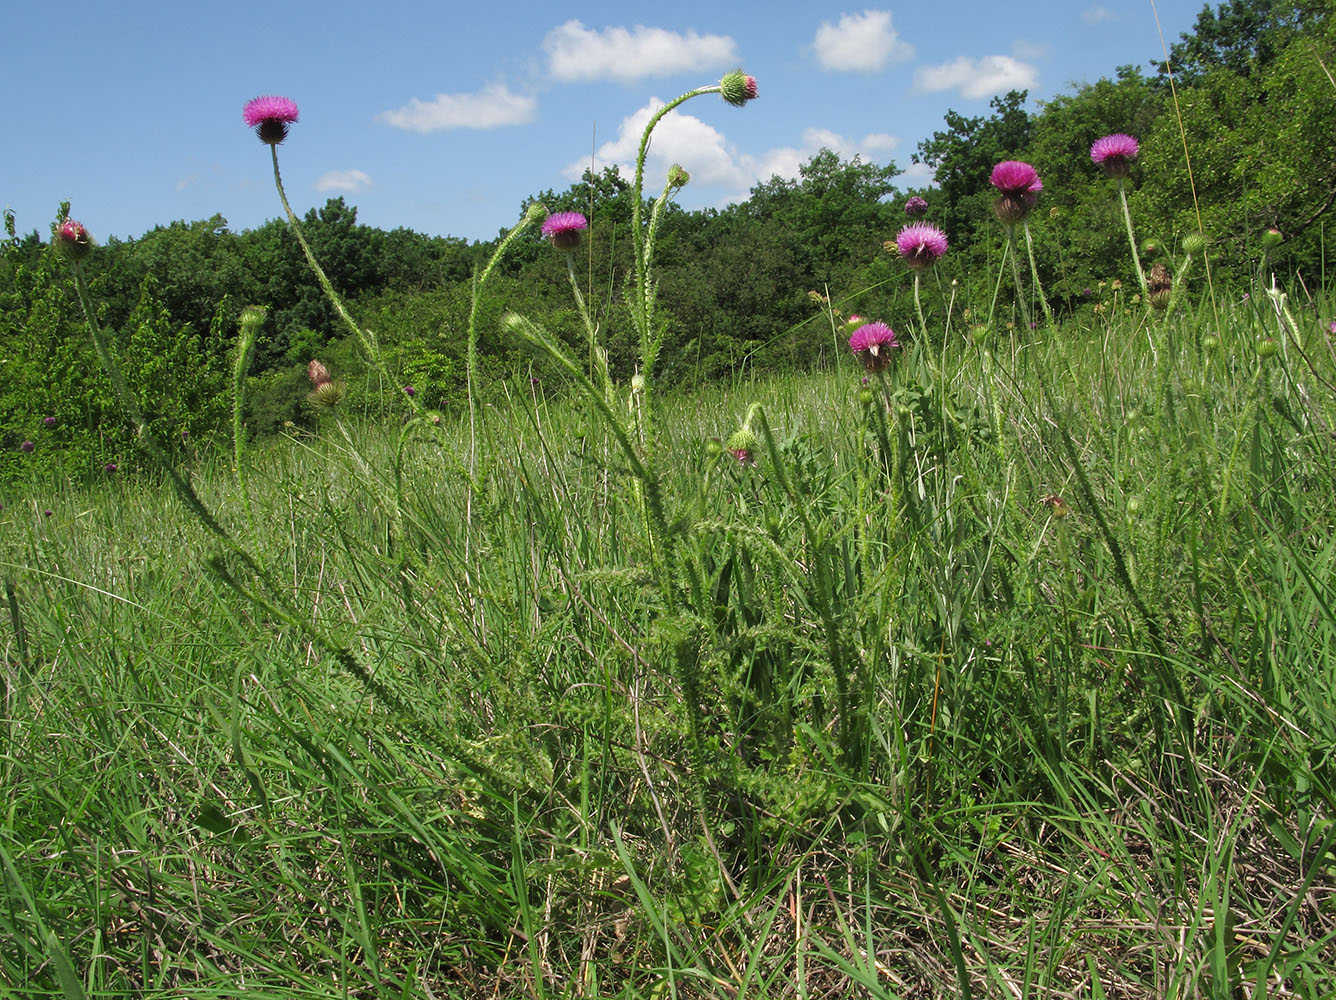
[742, 445]
[564, 228]
[737, 88]
[270, 117]
[325, 389]
[72, 239]
[873, 343]
[1020, 186]
[921, 244]
[916, 207]
[1115, 154]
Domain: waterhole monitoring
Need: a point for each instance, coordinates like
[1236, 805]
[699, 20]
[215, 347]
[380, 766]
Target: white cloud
[710, 159]
[343, 180]
[863, 42]
[492, 107]
[185, 182]
[1098, 15]
[575, 52]
[977, 77]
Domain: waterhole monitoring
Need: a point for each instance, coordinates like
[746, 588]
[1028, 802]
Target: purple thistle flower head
[409, 391]
[109, 468]
[564, 228]
[72, 239]
[270, 117]
[49, 421]
[916, 207]
[921, 245]
[1331, 327]
[1115, 154]
[1020, 186]
[873, 343]
[27, 447]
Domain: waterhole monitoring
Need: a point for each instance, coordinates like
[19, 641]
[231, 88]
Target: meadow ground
[1007, 673]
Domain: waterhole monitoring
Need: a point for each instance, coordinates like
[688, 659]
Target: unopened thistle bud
[1271, 239]
[1194, 243]
[742, 446]
[737, 88]
[73, 240]
[677, 176]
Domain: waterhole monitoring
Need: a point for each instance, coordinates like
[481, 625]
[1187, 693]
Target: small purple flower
[534, 380]
[409, 391]
[109, 468]
[916, 207]
[27, 447]
[1115, 154]
[873, 343]
[48, 512]
[921, 245]
[1020, 186]
[270, 117]
[564, 229]
[1086, 293]
[49, 422]
[1331, 327]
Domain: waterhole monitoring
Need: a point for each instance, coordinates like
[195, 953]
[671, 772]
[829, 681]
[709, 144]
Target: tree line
[1235, 141]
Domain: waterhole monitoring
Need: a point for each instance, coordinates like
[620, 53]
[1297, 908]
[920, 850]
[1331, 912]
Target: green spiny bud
[737, 88]
[1194, 243]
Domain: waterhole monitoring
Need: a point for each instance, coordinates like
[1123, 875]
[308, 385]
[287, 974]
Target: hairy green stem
[1034, 274]
[1132, 241]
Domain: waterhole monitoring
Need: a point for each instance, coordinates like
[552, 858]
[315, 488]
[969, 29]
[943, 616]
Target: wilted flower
[73, 240]
[737, 88]
[564, 228]
[921, 245]
[1020, 186]
[270, 117]
[916, 207]
[325, 391]
[873, 342]
[1159, 285]
[1115, 154]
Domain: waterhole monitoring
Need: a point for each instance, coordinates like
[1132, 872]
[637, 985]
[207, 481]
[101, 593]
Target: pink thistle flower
[737, 88]
[916, 207]
[921, 245]
[73, 240]
[109, 468]
[26, 447]
[873, 343]
[1020, 186]
[49, 421]
[270, 117]
[1115, 154]
[564, 228]
[409, 391]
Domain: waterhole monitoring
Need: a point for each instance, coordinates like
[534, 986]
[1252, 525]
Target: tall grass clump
[969, 666]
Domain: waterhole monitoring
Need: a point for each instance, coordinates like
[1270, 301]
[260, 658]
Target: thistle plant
[920, 245]
[1018, 185]
[1115, 154]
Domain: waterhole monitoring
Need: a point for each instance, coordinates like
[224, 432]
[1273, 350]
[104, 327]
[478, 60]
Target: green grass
[1017, 683]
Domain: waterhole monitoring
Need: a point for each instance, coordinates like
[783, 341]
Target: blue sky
[441, 117]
